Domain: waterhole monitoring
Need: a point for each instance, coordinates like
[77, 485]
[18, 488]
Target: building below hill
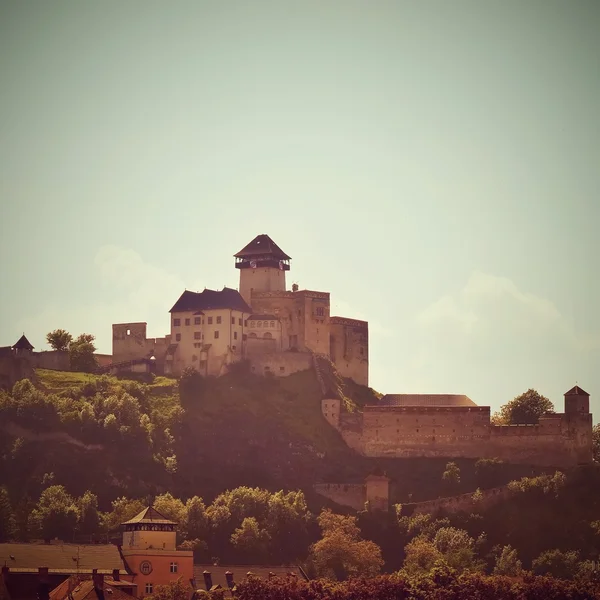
[275, 329]
[453, 426]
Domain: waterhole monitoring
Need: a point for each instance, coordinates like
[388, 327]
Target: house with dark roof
[276, 329]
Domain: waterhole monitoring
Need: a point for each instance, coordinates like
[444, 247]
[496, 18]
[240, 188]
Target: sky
[434, 165]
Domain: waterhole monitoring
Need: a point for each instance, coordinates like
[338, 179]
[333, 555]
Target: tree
[458, 549]
[596, 442]
[524, 409]
[174, 590]
[196, 525]
[59, 339]
[562, 565]
[251, 539]
[81, 351]
[170, 507]
[487, 471]
[123, 509]
[341, 552]
[451, 476]
[508, 563]
[89, 519]
[7, 519]
[55, 515]
[420, 557]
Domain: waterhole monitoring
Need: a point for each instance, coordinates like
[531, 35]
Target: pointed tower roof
[149, 515]
[262, 245]
[23, 344]
[576, 391]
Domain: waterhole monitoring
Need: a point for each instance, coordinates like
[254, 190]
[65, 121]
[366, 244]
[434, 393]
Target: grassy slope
[244, 429]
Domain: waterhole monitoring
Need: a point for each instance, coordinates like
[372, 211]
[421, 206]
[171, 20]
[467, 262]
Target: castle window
[177, 337]
[268, 335]
[176, 322]
[245, 323]
[252, 324]
[259, 324]
[266, 323]
[282, 369]
[240, 322]
[234, 348]
[218, 320]
[253, 335]
[216, 334]
[210, 320]
[272, 323]
[233, 320]
[173, 567]
[128, 332]
[149, 588]
[197, 335]
[235, 335]
[197, 320]
[417, 431]
[187, 321]
[320, 311]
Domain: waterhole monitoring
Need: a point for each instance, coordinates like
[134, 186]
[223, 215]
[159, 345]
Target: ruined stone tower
[262, 265]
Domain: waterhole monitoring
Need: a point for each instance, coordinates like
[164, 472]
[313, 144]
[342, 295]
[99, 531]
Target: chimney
[116, 575]
[98, 579]
[44, 585]
[207, 580]
[229, 578]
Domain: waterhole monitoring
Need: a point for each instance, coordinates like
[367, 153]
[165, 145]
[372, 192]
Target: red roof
[262, 245]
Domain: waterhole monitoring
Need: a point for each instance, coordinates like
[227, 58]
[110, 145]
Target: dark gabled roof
[576, 391]
[445, 400]
[149, 515]
[262, 245]
[211, 299]
[64, 558]
[23, 344]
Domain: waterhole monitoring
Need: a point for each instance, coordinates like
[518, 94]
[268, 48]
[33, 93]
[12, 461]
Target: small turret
[577, 401]
[23, 347]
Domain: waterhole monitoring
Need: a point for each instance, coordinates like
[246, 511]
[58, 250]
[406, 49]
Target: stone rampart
[560, 440]
[460, 503]
[280, 364]
[344, 494]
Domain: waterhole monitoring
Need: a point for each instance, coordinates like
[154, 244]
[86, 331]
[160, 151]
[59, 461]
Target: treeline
[250, 525]
[441, 584]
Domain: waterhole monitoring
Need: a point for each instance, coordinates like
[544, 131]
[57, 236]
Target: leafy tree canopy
[524, 409]
[59, 339]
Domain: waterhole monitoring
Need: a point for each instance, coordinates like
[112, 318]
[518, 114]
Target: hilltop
[122, 437]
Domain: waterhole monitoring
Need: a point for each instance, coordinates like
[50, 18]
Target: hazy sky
[434, 165]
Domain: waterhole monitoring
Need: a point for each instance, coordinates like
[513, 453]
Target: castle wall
[460, 503]
[129, 341]
[344, 494]
[313, 310]
[13, 368]
[461, 432]
[280, 363]
[56, 360]
[349, 348]
[283, 306]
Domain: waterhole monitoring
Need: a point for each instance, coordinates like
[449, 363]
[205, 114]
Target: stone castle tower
[262, 264]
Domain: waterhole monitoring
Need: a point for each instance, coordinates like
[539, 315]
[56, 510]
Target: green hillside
[122, 437]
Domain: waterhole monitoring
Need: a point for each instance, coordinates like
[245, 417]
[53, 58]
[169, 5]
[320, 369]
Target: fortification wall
[462, 432]
[349, 348]
[129, 341]
[344, 494]
[280, 364]
[460, 503]
[14, 368]
[57, 360]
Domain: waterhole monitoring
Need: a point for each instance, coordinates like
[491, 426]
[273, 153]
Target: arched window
[252, 335]
[268, 335]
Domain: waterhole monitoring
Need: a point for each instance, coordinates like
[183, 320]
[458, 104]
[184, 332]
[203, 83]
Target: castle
[275, 329]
